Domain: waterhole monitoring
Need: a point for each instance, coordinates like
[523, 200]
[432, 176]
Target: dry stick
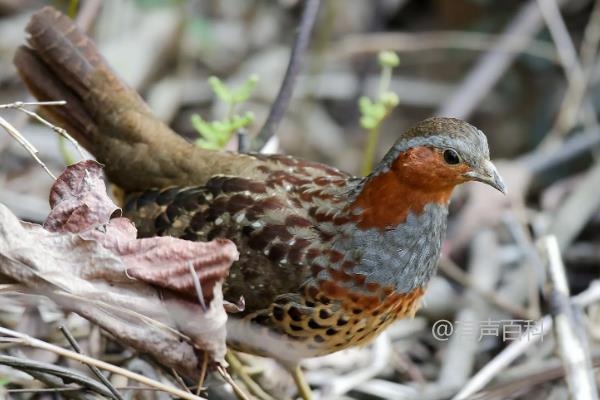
[382, 351]
[282, 100]
[95, 370]
[361, 43]
[577, 76]
[575, 147]
[591, 39]
[459, 357]
[238, 391]
[528, 380]
[202, 375]
[180, 381]
[453, 271]
[238, 368]
[76, 388]
[86, 16]
[54, 375]
[61, 131]
[15, 134]
[200, 295]
[524, 241]
[515, 349]
[21, 338]
[577, 209]
[492, 65]
[20, 105]
[560, 35]
[570, 334]
[197, 285]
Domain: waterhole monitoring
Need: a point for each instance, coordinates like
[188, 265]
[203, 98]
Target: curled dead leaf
[78, 199]
[95, 266]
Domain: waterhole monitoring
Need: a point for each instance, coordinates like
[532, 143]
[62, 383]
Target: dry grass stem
[16, 135]
[27, 340]
[570, 333]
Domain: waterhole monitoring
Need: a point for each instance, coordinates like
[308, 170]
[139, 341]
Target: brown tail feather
[73, 117]
[103, 113]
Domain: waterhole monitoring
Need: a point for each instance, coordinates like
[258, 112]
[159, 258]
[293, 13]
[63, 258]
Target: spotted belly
[310, 326]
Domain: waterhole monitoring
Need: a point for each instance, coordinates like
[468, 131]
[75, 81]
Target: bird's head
[440, 153]
[423, 167]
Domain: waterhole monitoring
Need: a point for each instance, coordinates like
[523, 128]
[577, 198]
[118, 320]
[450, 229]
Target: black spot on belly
[278, 313]
[314, 325]
[295, 314]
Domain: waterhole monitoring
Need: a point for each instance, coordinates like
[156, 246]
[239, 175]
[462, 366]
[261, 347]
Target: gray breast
[403, 257]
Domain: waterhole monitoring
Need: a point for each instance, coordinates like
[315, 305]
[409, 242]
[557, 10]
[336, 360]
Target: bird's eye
[451, 157]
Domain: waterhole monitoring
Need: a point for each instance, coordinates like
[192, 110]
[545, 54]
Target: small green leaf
[203, 128]
[243, 93]
[364, 105]
[378, 111]
[220, 90]
[220, 125]
[388, 59]
[368, 122]
[240, 122]
[390, 100]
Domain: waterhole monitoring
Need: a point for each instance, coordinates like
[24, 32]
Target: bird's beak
[487, 173]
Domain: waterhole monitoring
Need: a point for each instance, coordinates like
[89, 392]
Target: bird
[328, 260]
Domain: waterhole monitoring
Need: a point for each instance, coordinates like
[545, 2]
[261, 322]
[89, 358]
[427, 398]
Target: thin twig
[239, 370]
[197, 285]
[453, 271]
[76, 388]
[361, 43]
[492, 65]
[17, 104]
[40, 344]
[54, 375]
[517, 347]
[20, 105]
[15, 134]
[382, 352]
[547, 372]
[86, 16]
[180, 381]
[560, 35]
[237, 390]
[484, 269]
[282, 100]
[577, 209]
[95, 370]
[575, 72]
[570, 334]
[202, 375]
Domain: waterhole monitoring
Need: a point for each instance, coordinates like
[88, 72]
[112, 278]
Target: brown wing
[267, 217]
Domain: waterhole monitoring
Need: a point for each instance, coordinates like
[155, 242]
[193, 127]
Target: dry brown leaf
[87, 264]
[78, 199]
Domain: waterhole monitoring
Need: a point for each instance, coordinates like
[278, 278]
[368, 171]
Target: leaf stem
[372, 139]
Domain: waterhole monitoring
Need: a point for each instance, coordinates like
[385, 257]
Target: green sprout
[373, 112]
[216, 134]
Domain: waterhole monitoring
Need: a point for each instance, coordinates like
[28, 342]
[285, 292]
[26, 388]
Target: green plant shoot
[373, 112]
[215, 134]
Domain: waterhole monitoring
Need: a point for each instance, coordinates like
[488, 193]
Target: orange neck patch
[418, 176]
